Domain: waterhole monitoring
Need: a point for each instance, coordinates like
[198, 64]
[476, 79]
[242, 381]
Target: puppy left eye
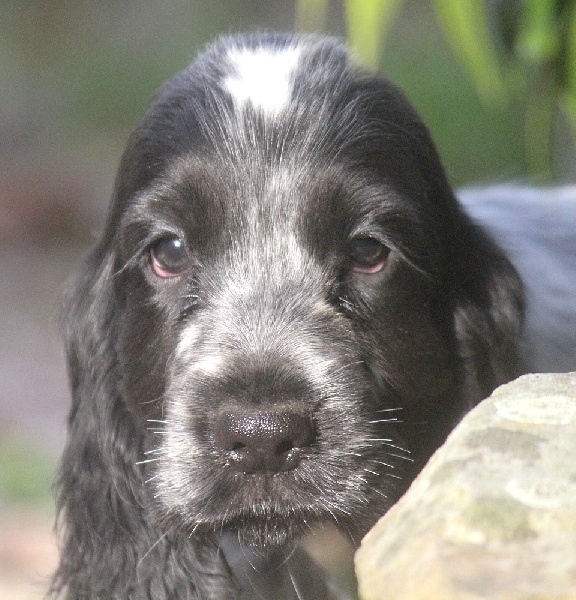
[368, 255]
[169, 257]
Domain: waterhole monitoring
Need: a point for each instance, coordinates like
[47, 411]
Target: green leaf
[569, 96]
[466, 26]
[539, 36]
[24, 475]
[368, 23]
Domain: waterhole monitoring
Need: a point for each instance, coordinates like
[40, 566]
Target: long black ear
[103, 510]
[480, 284]
[489, 311]
[97, 485]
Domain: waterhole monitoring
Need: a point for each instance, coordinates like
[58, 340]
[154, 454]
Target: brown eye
[368, 255]
[169, 257]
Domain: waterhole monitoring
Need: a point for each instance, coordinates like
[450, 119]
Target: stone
[493, 513]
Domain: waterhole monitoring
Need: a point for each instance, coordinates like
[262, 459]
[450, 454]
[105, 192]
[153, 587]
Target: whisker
[388, 442]
[398, 448]
[400, 456]
[152, 548]
[380, 462]
[379, 492]
[158, 399]
[290, 554]
[293, 581]
[329, 509]
[248, 558]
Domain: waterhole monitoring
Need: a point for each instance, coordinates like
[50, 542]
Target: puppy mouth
[258, 525]
[267, 474]
[269, 507]
[259, 510]
[272, 530]
[264, 526]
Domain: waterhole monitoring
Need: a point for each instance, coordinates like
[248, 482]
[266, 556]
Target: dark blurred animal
[286, 314]
[536, 227]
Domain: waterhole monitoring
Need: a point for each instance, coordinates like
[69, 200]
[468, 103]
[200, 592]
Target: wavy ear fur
[98, 469]
[101, 499]
[489, 312]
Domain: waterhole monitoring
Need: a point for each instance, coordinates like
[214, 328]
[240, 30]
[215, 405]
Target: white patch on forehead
[262, 77]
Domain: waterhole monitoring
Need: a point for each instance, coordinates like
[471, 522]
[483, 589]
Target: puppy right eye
[169, 257]
[368, 256]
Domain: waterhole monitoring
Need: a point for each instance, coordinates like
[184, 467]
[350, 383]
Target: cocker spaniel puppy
[286, 314]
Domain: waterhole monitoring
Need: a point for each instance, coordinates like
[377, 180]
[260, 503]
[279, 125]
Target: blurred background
[495, 80]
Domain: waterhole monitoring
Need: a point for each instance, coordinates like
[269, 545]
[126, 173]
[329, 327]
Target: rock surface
[493, 514]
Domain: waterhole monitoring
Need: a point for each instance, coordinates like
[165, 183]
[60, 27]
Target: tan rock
[493, 514]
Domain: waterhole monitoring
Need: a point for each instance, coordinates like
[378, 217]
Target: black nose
[263, 441]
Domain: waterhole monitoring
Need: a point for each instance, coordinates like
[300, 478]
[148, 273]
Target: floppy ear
[101, 500]
[481, 285]
[489, 311]
[97, 486]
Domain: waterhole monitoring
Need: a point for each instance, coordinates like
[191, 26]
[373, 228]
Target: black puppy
[286, 314]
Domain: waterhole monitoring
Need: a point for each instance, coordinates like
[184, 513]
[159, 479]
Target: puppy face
[294, 283]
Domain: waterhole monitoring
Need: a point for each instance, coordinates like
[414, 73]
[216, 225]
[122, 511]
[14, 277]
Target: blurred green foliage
[509, 48]
[544, 45]
[490, 84]
[25, 477]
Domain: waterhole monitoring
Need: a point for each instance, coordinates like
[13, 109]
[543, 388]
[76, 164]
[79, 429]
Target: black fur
[278, 320]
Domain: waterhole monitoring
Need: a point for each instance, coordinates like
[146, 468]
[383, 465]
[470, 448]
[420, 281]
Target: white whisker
[148, 460]
[383, 463]
[398, 447]
[151, 548]
[400, 456]
[294, 585]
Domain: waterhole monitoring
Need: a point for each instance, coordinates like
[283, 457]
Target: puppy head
[300, 309]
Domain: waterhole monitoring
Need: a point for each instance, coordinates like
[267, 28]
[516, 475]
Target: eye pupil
[368, 255]
[169, 257]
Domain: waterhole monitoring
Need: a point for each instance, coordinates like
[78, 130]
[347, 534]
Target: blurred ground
[33, 404]
[27, 554]
[49, 215]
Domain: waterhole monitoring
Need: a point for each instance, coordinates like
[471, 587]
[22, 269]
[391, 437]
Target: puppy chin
[263, 534]
[259, 530]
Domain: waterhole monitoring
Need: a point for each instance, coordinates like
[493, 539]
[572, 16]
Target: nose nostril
[263, 441]
[284, 447]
